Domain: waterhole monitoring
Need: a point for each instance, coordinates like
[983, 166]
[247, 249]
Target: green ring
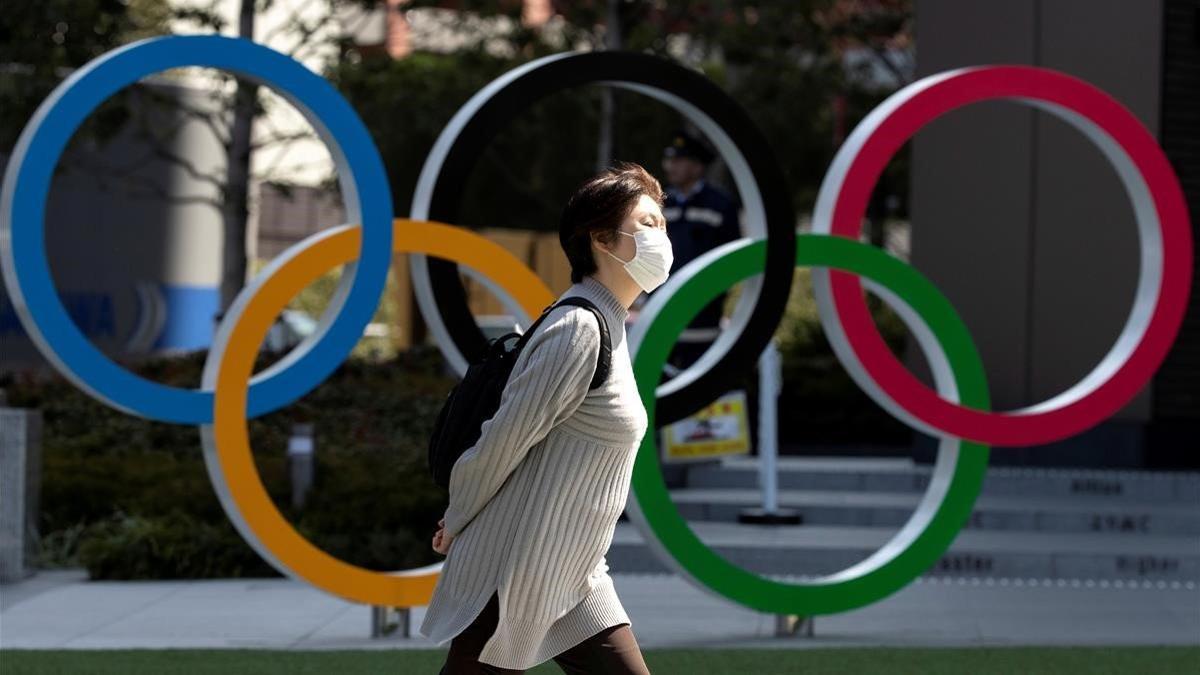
[861, 584]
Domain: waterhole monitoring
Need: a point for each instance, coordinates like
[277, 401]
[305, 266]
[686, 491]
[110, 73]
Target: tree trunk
[237, 184]
[608, 106]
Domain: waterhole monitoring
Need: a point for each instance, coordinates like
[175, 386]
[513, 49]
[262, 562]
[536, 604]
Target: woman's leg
[612, 651]
[463, 658]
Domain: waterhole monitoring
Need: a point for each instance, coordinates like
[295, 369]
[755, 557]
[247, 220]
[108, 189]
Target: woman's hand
[441, 540]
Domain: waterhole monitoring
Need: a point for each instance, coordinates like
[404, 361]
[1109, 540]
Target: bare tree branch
[120, 178]
[282, 138]
[159, 148]
[206, 17]
[292, 21]
[881, 56]
[188, 167]
[159, 193]
[214, 120]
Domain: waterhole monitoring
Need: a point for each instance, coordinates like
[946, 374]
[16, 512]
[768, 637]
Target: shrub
[821, 402]
[131, 499]
[172, 546]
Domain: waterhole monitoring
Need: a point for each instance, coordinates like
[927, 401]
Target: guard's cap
[684, 144]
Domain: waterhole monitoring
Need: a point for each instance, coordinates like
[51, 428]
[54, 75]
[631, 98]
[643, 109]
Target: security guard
[699, 217]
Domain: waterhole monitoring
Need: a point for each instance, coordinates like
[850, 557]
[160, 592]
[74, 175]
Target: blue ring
[27, 183]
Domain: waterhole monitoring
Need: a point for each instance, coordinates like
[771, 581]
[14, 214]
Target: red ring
[994, 82]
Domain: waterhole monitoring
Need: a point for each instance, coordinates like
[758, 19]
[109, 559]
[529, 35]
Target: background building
[1021, 222]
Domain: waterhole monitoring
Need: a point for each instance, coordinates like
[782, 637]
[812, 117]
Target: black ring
[628, 67]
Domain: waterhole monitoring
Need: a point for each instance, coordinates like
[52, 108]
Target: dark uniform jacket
[697, 223]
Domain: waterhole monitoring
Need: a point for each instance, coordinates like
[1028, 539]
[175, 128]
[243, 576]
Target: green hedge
[818, 398]
[131, 499]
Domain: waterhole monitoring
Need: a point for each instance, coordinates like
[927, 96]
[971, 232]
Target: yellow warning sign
[720, 429]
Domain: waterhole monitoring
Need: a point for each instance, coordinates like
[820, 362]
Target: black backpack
[476, 397]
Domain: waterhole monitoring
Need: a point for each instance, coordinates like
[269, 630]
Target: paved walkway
[62, 610]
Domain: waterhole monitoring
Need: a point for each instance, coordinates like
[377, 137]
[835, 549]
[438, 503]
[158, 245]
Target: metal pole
[382, 626]
[768, 446]
[378, 620]
[793, 624]
[769, 386]
[300, 457]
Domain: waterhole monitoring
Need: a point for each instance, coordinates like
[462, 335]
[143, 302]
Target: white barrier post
[768, 443]
[769, 385]
[382, 625]
[300, 460]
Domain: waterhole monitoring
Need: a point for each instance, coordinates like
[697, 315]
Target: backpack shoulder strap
[604, 359]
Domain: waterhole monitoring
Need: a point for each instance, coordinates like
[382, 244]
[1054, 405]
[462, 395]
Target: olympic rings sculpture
[958, 412]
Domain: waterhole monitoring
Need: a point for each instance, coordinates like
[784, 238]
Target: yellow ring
[260, 521]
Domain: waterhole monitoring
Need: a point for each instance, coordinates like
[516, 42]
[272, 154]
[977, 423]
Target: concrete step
[992, 512]
[887, 474]
[819, 550]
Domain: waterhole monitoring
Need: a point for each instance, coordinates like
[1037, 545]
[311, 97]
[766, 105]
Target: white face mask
[653, 258]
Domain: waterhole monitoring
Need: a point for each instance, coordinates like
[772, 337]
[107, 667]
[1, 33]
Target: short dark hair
[599, 205]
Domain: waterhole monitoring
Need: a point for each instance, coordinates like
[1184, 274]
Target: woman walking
[534, 503]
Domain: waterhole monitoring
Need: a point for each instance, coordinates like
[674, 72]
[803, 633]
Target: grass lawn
[1025, 660]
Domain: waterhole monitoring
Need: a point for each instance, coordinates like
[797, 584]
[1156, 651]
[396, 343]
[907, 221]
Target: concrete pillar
[20, 487]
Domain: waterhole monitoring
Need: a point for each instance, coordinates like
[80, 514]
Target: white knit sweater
[534, 503]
